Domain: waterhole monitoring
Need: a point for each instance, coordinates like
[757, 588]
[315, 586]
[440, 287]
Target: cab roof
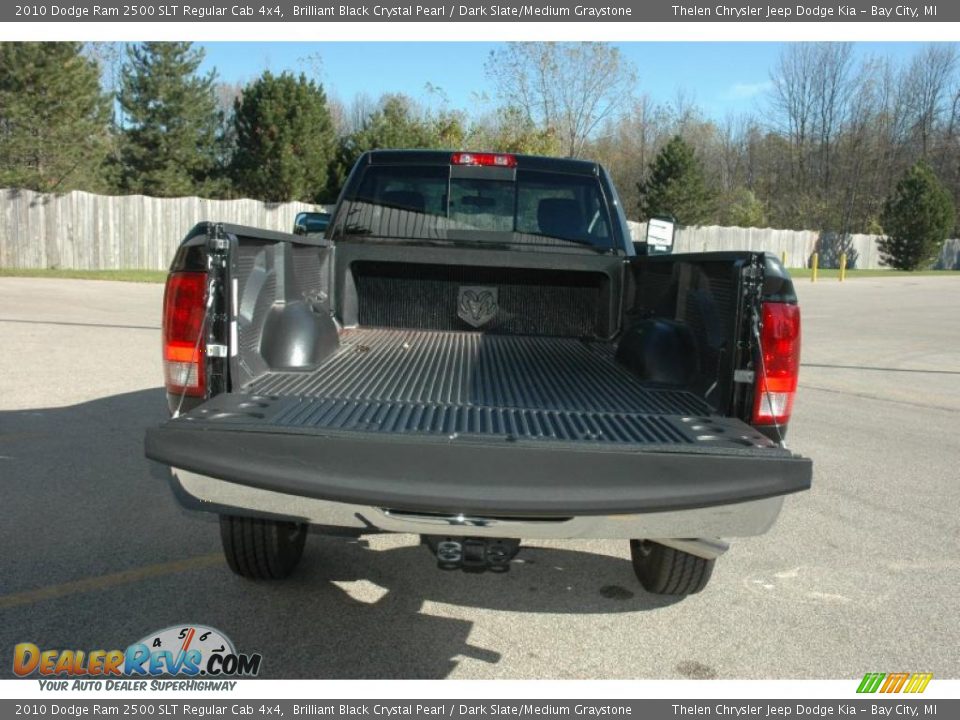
[442, 157]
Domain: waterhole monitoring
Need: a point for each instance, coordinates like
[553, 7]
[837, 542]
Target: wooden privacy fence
[797, 245]
[82, 231]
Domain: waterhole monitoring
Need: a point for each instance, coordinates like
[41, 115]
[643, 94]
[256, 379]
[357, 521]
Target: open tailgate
[443, 459]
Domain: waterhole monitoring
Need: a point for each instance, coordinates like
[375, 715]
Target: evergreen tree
[54, 119]
[284, 139]
[396, 124]
[675, 186]
[170, 122]
[916, 219]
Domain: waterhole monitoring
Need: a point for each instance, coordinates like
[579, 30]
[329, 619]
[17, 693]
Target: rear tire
[261, 549]
[663, 570]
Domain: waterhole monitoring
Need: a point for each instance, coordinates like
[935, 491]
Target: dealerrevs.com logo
[189, 651]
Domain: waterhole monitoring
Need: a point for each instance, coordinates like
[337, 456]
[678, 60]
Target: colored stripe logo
[894, 682]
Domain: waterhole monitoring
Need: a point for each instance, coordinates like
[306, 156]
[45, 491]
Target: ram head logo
[477, 305]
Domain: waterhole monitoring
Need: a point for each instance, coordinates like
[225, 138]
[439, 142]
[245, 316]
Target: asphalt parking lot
[860, 574]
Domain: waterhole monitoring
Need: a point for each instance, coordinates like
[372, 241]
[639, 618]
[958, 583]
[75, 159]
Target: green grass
[141, 276]
[852, 274]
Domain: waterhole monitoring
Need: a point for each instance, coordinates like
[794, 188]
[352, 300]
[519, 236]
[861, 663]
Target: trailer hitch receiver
[472, 554]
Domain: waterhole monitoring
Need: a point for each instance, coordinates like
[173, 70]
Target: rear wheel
[665, 571]
[261, 549]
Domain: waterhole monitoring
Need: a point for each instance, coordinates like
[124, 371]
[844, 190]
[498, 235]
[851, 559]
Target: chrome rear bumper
[200, 492]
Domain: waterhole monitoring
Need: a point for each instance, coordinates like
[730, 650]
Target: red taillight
[777, 374]
[183, 349]
[493, 159]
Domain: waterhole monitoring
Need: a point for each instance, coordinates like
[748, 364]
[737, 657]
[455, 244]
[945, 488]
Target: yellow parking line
[102, 582]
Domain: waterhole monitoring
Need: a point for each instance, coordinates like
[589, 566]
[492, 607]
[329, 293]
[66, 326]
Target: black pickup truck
[476, 352]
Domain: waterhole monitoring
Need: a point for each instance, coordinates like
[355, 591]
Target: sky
[723, 78]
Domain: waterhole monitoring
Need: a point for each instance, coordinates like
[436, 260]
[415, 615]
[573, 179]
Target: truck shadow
[354, 608]
[351, 611]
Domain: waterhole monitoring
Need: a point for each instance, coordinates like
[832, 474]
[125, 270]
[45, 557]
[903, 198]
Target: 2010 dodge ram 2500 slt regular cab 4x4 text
[476, 352]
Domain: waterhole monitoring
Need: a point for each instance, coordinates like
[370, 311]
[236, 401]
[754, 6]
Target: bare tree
[811, 88]
[311, 65]
[684, 111]
[832, 88]
[928, 85]
[361, 107]
[731, 154]
[227, 94]
[109, 58]
[570, 87]
[793, 100]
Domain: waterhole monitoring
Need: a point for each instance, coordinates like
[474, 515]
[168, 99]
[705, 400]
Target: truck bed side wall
[698, 297]
[281, 304]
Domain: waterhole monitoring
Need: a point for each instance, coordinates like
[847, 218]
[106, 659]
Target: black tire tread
[667, 571]
[253, 549]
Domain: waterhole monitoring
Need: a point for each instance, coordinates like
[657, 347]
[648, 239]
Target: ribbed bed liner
[456, 383]
[473, 369]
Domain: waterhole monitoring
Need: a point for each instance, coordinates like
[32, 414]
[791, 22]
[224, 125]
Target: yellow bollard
[783, 258]
[843, 266]
[815, 260]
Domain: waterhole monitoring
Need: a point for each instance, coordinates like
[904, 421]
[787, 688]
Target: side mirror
[311, 223]
[660, 232]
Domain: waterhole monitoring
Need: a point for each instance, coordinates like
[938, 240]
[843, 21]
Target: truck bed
[505, 425]
[465, 383]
